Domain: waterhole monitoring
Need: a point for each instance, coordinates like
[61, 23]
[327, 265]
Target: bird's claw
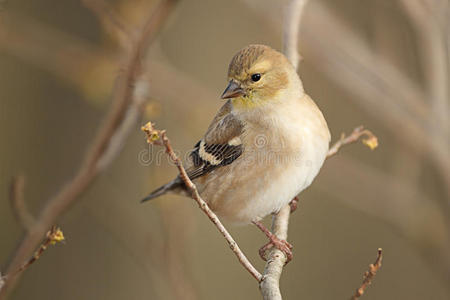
[281, 245]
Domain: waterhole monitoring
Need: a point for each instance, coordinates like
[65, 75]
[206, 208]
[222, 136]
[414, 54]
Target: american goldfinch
[265, 145]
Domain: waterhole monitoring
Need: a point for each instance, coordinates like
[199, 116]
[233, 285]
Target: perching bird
[265, 145]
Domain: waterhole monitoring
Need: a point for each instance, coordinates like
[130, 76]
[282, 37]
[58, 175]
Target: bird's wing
[220, 146]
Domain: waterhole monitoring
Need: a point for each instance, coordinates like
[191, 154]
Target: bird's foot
[274, 241]
[293, 204]
[281, 245]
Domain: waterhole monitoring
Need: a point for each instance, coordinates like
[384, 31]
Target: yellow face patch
[244, 103]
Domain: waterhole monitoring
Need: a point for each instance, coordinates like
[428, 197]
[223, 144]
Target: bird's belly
[267, 181]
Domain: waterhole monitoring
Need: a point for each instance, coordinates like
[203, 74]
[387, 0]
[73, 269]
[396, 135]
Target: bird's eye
[256, 77]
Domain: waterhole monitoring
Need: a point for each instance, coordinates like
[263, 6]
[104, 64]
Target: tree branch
[159, 137]
[53, 236]
[270, 283]
[93, 162]
[369, 275]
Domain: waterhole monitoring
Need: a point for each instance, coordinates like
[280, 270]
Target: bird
[265, 145]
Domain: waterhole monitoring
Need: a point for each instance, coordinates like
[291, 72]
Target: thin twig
[53, 236]
[370, 141]
[159, 137]
[369, 275]
[90, 168]
[18, 205]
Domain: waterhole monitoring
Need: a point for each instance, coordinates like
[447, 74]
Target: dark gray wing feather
[218, 155]
[220, 146]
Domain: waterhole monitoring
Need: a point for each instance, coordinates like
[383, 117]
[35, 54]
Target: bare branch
[91, 167]
[270, 283]
[18, 205]
[160, 138]
[369, 275]
[53, 236]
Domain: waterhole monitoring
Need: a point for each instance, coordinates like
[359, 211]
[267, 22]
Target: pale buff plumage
[265, 145]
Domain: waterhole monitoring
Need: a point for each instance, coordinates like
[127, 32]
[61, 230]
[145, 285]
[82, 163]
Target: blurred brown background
[383, 64]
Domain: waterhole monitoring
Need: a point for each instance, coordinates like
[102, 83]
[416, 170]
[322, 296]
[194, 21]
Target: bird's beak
[233, 90]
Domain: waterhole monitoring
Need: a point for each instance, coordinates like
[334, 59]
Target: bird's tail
[171, 186]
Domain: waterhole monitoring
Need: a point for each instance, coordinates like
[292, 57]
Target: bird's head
[257, 74]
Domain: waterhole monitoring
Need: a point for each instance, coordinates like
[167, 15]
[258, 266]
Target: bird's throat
[245, 103]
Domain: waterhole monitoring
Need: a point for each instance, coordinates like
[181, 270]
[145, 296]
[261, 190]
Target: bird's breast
[282, 155]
